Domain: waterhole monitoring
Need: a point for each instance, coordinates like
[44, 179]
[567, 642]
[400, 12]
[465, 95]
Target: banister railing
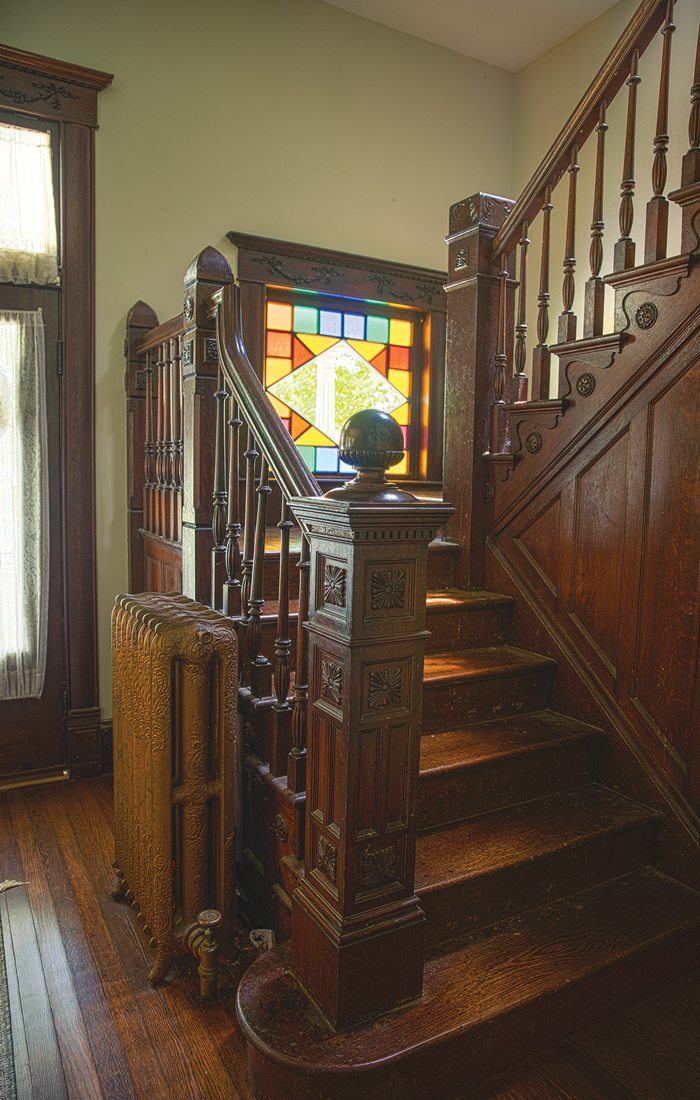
[613, 73]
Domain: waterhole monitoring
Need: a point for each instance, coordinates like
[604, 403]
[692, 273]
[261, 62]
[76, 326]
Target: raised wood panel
[667, 650]
[598, 548]
[162, 565]
[539, 541]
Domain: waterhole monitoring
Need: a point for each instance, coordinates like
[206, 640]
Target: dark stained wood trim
[45, 87]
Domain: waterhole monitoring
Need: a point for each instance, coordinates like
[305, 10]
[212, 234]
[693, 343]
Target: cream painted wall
[288, 118]
[547, 92]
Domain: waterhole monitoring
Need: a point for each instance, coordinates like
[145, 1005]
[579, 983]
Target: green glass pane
[332, 386]
[308, 455]
[378, 329]
[305, 319]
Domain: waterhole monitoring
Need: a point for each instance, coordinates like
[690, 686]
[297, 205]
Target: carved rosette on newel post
[357, 926]
[200, 367]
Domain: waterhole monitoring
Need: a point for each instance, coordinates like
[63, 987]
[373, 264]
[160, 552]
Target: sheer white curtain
[24, 505]
[28, 252]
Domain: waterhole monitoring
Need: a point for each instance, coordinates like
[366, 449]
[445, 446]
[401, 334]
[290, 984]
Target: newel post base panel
[472, 330]
[200, 366]
[357, 926]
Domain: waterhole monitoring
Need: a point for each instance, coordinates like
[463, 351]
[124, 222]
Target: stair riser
[459, 909]
[463, 792]
[461, 629]
[446, 706]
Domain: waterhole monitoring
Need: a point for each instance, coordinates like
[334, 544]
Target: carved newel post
[357, 926]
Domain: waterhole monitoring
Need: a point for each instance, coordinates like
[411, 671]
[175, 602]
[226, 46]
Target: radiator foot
[120, 886]
[161, 966]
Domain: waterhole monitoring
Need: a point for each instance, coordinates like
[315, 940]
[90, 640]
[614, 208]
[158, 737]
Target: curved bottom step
[487, 1001]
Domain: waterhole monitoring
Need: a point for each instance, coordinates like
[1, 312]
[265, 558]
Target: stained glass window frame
[418, 368]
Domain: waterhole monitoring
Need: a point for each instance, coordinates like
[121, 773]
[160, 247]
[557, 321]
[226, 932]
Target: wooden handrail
[637, 35]
[167, 330]
[271, 436]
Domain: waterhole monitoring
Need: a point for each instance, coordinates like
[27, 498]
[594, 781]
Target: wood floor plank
[23, 1080]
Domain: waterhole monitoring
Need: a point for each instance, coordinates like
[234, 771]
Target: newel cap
[371, 442]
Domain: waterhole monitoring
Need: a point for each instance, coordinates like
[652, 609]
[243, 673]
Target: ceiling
[476, 29]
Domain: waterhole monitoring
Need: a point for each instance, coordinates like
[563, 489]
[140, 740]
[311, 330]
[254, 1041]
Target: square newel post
[472, 330]
[357, 926]
[206, 274]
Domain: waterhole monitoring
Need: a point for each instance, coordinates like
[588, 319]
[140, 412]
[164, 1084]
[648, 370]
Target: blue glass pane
[308, 455]
[354, 326]
[345, 469]
[330, 323]
[305, 319]
[326, 460]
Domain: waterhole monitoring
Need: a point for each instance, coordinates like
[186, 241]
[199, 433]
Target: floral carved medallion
[334, 586]
[327, 859]
[331, 682]
[378, 867]
[384, 688]
[388, 589]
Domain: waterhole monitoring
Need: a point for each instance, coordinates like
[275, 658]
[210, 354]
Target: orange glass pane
[301, 353]
[402, 380]
[276, 369]
[279, 344]
[279, 316]
[399, 358]
[299, 425]
[379, 362]
[401, 332]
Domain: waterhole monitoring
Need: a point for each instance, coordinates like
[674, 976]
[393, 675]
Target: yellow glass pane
[280, 409]
[400, 467]
[314, 438]
[317, 344]
[279, 316]
[402, 415]
[399, 378]
[276, 369]
[401, 332]
[366, 348]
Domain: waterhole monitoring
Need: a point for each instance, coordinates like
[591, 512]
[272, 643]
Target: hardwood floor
[87, 1024]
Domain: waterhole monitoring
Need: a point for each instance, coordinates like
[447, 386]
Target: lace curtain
[24, 505]
[28, 252]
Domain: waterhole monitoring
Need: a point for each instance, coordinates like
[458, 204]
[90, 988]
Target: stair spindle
[218, 518]
[148, 448]
[296, 771]
[283, 642]
[520, 380]
[625, 246]
[500, 364]
[251, 457]
[657, 207]
[166, 504]
[178, 454]
[259, 664]
[567, 318]
[159, 452]
[232, 584]
[594, 311]
[541, 354]
[691, 160]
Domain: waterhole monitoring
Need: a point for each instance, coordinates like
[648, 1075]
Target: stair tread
[486, 662]
[461, 599]
[498, 738]
[480, 980]
[521, 834]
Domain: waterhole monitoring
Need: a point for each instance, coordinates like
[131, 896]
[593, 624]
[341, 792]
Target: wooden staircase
[543, 905]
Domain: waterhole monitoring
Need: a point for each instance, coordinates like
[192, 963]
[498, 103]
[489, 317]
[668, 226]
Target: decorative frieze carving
[46, 92]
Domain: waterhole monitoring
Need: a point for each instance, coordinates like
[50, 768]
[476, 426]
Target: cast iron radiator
[175, 679]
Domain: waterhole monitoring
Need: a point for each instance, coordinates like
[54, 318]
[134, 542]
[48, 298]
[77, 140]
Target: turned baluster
[251, 457]
[541, 354]
[158, 525]
[625, 246]
[259, 664]
[296, 770]
[148, 450]
[218, 517]
[691, 160]
[594, 311]
[232, 584]
[496, 426]
[283, 642]
[520, 380]
[167, 442]
[176, 415]
[657, 207]
[567, 318]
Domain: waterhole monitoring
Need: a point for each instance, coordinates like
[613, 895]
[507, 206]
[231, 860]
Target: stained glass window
[322, 365]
